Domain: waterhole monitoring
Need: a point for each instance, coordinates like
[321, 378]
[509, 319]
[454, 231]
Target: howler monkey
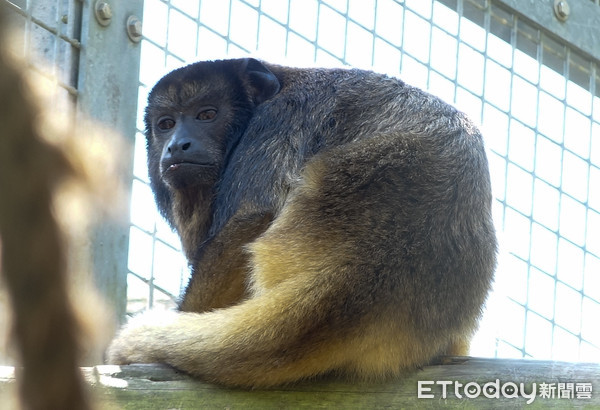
[335, 221]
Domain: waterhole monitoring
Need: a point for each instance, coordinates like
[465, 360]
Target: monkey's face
[188, 127]
[189, 144]
[195, 117]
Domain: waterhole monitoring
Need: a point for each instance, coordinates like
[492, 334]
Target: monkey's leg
[286, 334]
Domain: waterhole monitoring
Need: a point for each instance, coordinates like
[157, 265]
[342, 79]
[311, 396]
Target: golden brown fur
[343, 227]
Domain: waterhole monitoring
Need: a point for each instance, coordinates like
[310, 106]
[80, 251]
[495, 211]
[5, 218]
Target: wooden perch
[156, 386]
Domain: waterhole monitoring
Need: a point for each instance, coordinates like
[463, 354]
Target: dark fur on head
[182, 87]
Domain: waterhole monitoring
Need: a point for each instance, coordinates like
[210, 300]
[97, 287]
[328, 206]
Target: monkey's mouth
[175, 166]
[179, 165]
[184, 174]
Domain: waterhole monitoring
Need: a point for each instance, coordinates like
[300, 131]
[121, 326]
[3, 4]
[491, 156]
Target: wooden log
[457, 382]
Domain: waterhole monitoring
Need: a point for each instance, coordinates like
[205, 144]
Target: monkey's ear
[263, 83]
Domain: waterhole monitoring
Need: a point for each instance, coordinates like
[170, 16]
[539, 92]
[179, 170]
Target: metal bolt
[103, 13]
[134, 29]
[562, 10]
[64, 19]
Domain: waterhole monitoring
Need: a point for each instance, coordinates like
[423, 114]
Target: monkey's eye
[165, 124]
[207, 115]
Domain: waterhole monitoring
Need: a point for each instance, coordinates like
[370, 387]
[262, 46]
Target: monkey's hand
[144, 339]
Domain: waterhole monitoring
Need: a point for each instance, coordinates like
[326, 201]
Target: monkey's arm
[221, 268]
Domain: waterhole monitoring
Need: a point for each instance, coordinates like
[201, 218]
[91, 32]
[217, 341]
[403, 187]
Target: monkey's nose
[179, 145]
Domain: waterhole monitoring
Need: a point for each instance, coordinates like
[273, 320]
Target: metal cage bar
[65, 42]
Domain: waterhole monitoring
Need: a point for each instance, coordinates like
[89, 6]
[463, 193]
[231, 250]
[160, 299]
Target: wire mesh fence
[536, 98]
[45, 33]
